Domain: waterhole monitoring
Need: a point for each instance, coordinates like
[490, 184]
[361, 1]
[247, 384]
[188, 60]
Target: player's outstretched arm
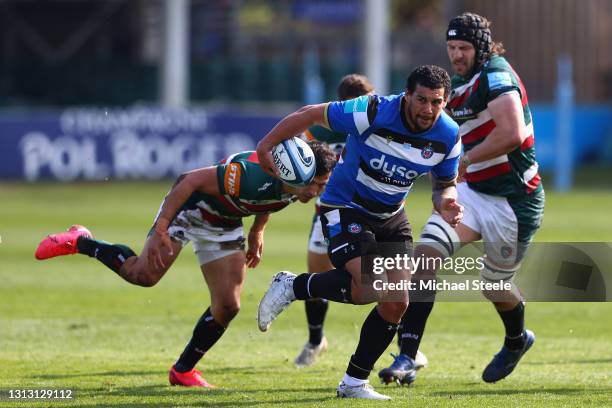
[204, 180]
[291, 125]
[255, 240]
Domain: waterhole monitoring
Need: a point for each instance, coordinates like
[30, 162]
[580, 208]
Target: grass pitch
[70, 323]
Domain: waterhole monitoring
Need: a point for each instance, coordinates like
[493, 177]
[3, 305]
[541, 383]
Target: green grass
[69, 323]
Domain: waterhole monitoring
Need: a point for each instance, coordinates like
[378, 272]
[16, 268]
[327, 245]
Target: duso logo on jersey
[232, 179]
[391, 170]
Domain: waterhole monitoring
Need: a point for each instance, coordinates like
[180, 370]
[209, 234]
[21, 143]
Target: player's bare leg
[225, 278]
[343, 285]
[138, 270]
[119, 258]
[404, 366]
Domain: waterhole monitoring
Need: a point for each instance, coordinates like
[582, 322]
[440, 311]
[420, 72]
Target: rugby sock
[412, 327]
[205, 334]
[111, 255]
[315, 315]
[334, 285]
[352, 381]
[514, 322]
[376, 334]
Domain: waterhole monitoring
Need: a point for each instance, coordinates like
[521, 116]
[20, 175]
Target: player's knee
[497, 273]
[137, 271]
[393, 311]
[147, 280]
[490, 295]
[501, 276]
[227, 311]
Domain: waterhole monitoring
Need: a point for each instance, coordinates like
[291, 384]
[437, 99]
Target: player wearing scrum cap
[502, 193]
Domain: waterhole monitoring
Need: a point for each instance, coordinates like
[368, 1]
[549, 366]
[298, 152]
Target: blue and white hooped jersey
[382, 157]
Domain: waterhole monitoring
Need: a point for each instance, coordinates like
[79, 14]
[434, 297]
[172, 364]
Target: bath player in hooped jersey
[393, 140]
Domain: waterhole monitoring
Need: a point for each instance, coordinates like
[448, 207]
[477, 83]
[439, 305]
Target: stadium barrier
[151, 143]
[134, 143]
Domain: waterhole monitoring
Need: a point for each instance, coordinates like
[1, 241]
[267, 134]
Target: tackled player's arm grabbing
[256, 240]
[444, 198]
[291, 125]
[203, 180]
[507, 112]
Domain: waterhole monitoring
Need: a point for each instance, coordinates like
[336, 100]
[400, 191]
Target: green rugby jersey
[512, 174]
[245, 190]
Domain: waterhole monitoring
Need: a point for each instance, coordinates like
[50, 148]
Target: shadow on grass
[209, 398]
[565, 362]
[174, 403]
[125, 373]
[515, 391]
[99, 374]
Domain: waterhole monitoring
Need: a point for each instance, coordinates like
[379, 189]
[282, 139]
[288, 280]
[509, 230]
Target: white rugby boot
[310, 353]
[420, 361]
[276, 299]
[364, 391]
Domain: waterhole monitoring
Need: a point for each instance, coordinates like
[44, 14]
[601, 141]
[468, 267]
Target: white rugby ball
[295, 162]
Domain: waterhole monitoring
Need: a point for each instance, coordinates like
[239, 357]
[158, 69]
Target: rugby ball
[295, 162]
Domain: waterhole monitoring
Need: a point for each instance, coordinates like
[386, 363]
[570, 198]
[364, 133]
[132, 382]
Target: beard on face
[460, 66]
[414, 118]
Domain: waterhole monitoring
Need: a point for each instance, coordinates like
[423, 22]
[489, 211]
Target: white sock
[352, 381]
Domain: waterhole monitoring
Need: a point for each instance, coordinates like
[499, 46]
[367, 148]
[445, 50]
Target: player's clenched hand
[256, 243]
[264, 154]
[451, 211]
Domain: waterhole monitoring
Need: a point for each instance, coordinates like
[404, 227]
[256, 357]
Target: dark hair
[354, 85]
[325, 158]
[429, 76]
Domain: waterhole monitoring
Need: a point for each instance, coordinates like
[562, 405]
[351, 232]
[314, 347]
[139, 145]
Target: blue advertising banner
[153, 143]
[135, 143]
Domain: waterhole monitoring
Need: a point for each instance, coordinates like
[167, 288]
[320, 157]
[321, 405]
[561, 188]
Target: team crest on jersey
[354, 228]
[427, 152]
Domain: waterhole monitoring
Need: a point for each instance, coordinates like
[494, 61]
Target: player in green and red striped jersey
[205, 206]
[502, 194]
[351, 86]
